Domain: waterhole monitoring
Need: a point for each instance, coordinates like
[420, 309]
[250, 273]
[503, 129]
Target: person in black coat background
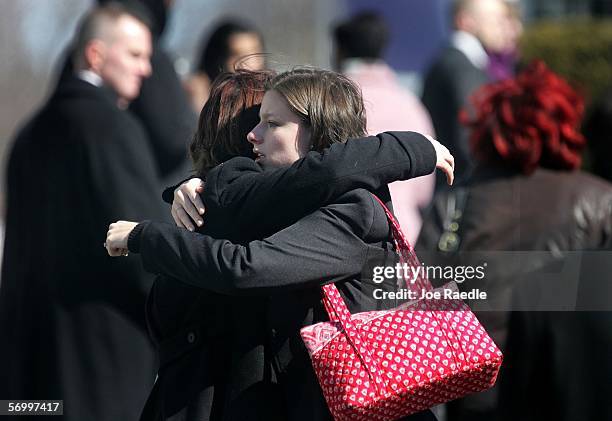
[283, 314]
[458, 70]
[72, 324]
[162, 106]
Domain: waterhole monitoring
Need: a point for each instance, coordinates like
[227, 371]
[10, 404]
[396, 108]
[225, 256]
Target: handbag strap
[334, 304]
[338, 311]
[407, 254]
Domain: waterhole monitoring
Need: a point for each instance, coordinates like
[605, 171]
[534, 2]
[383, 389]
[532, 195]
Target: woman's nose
[254, 136]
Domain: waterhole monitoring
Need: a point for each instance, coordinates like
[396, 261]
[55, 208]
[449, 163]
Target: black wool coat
[164, 112]
[261, 363]
[166, 115]
[72, 322]
[448, 84]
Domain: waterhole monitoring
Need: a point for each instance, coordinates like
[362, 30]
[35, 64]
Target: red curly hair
[527, 122]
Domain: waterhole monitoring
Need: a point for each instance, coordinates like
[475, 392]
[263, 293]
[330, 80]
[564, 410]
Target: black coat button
[191, 337]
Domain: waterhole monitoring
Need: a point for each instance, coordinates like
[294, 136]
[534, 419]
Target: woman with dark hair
[258, 367]
[527, 207]
[231, 45]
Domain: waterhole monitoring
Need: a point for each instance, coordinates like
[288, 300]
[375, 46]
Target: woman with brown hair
[279, 246]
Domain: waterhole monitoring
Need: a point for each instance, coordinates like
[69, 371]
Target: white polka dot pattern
[384, 365]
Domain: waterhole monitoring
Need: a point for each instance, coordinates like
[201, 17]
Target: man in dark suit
[162, 105]
[458, 71]
[72, 321]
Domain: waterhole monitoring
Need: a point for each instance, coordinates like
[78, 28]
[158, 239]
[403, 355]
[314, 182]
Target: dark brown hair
[216, 50]
[329, 103]
[231, 111]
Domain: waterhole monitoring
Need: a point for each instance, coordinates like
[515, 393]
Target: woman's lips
[258, 156]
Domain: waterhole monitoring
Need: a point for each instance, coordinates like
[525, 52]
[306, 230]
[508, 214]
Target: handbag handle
[334, 304]
[406, 253]
[338, 312]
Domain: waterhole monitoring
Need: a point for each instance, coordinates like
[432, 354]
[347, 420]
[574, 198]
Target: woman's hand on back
[187, 206]
[116, 243]
[444, 160]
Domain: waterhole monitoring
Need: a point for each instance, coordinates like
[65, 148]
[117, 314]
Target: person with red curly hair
[527, 211]
[528, 122]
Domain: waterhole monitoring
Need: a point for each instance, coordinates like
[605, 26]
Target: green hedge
[578, 49]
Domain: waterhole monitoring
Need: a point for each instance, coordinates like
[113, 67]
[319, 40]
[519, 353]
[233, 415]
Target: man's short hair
[99, 22]
[365, 36]
[459, 6]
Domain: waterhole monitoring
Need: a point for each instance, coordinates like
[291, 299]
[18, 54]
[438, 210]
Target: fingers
[445, 160]
[177, 220]
[117, 237]
[450, 172]
[187, 206]
[114, 252]
[447, 166]
[109, 243]
[451, 160]
[197, 200]
[181, 218]
[190, 209]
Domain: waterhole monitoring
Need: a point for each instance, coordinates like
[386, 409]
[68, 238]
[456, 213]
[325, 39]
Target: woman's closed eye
[272, 124]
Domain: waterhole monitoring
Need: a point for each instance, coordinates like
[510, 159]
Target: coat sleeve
[325, 246]
[240, 187]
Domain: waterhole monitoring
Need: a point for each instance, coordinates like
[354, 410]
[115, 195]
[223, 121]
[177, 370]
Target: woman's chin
[261, 160]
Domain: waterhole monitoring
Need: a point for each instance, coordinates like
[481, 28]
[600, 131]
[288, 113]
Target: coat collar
[469, 45]
[70, 85]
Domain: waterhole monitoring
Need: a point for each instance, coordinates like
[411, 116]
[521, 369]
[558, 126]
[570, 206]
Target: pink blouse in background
[390, 107]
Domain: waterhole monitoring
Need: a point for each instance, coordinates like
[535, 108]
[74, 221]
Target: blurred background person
[360, 43]
[503, 61]
[72, 323]
[162, 105]
[459, 70]
[527, 194]
[231, 45]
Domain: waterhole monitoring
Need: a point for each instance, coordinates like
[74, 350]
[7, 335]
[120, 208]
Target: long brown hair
[328, 102]
[231, 111]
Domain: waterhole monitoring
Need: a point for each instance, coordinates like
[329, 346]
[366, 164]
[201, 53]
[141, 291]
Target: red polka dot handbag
[384, 365]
